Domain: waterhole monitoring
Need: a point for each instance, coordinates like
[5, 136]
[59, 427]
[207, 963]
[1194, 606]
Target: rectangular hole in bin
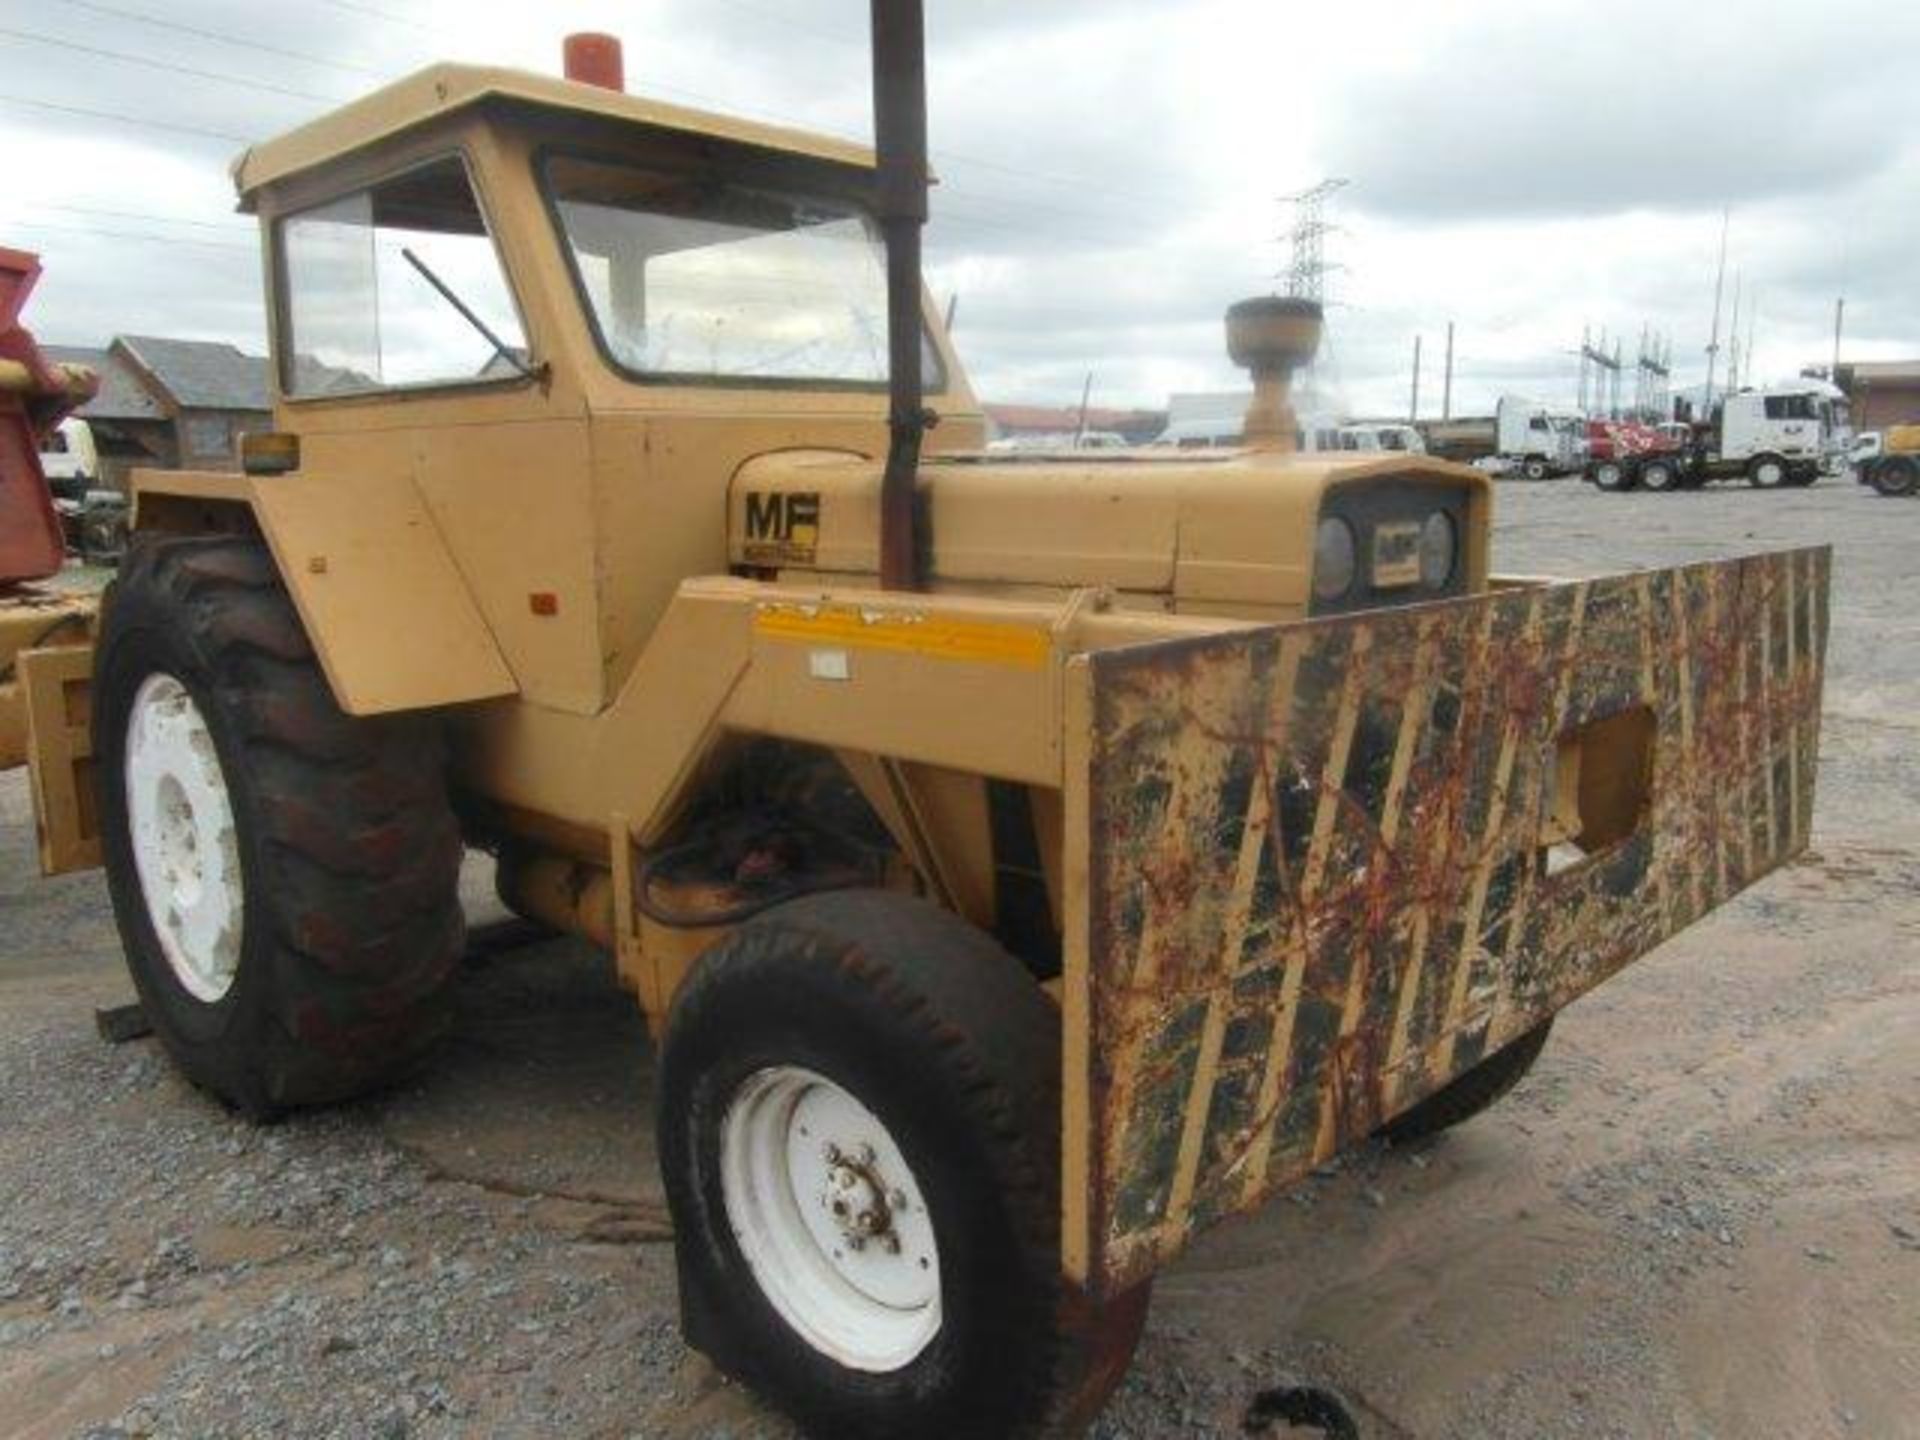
[1603, 785]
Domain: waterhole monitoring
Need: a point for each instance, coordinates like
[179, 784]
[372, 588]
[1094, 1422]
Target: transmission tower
[1306, 274]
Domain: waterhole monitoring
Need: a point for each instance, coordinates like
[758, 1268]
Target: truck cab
[1783, 434]
[69, 459]
[1536, 440]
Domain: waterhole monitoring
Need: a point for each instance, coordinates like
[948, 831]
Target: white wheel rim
[830, 1219]
[186, 849]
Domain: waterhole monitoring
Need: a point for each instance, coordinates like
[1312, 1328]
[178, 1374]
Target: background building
[1881, 392]
[170, 403]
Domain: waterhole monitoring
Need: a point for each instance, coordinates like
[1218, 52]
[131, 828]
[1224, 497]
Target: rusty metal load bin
[1331, 865]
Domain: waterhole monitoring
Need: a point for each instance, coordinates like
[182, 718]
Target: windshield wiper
[501, 348]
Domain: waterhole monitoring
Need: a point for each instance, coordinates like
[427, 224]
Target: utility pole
[1080, 428]
[1713, 341]
[1753, 325]
[1733, 339]
[1446, 383]
[1839, 313]
[1413, 404]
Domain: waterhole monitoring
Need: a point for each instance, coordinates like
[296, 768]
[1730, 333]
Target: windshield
[692, 277]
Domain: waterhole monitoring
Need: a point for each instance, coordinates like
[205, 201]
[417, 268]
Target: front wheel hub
[186, 847]
[829, 1218]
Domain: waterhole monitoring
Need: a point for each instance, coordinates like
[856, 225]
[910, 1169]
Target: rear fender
[383, 604]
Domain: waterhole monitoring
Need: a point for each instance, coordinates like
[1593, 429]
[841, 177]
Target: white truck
[70, 459]
[1780, 435]
[1537, 441]
[1382, 435]
[1787, 434]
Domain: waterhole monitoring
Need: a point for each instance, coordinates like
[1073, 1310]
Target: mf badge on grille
[1396, 554]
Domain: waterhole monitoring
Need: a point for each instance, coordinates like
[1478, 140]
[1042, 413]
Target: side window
[1539, 423]
[208, 435]
[363, 311]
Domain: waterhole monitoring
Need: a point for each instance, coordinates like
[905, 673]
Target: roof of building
[1882, 372]
[201, 374]
[121, 396]
[440, 90]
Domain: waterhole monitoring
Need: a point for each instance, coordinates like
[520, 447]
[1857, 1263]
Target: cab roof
[440, 90]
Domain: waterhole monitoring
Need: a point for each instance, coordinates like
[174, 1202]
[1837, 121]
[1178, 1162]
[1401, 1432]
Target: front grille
[1369, 504]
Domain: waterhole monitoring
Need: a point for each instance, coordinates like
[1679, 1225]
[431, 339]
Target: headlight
[1439, 545]
[1334, 556]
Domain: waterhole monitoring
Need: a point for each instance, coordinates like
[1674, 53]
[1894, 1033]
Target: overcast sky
[1111, 172]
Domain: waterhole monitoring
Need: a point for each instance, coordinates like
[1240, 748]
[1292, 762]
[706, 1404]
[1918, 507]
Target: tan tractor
[1023, 863]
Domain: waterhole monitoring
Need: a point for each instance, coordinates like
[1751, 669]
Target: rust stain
[1319, 878]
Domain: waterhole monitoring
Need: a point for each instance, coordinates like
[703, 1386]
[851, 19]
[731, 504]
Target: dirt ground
[1699, 1217]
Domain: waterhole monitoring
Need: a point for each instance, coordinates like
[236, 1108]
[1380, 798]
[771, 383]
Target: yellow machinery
[1895, 469]
[1023, 862]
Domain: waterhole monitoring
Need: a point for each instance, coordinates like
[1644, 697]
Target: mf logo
[783, 527]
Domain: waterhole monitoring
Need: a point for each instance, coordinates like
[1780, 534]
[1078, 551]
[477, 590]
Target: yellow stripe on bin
[987, 642]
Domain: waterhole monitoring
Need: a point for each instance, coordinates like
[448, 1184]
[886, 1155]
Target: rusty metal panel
[1331, 865]
[59, 700]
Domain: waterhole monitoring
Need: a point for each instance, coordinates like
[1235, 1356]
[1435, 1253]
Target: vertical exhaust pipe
[900, 138]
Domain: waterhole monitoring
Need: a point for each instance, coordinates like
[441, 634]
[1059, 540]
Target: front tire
[1534, 469]
[1896, 477]
[1659, 475]
[1465, 1096]
[1767, 472]
[1612, 475]
[283, 875]
[864, 1067]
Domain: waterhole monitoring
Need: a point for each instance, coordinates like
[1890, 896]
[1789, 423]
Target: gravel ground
[1698, 1217]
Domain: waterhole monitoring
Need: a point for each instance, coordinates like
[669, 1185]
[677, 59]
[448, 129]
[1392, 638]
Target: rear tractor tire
[860, 1135]
[1465, 1096]
[1895, 476]
[283, 875]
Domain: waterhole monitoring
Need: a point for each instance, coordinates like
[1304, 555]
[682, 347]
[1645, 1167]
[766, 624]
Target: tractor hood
[1224, 530]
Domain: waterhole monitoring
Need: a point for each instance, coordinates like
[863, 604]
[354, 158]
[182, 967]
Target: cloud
[1111, 172]
[1543, 110]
